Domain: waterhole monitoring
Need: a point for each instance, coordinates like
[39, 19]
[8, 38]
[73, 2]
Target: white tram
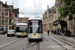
[21, 29]
[35, 31]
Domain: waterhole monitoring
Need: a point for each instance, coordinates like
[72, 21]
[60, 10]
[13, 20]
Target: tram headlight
[38, 34]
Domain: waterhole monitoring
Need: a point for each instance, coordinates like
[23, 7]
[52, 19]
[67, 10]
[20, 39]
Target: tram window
[35, 27]
[20, 28]
[30, 29]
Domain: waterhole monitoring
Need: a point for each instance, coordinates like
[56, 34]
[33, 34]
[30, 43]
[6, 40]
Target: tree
[67, 10]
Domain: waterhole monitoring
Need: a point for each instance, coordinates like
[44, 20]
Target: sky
[28, 8]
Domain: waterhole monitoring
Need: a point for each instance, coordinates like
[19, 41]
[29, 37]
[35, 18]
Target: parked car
[11, 33]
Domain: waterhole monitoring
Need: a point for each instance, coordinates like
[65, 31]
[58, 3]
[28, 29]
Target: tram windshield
[20, 28]
[35, 26]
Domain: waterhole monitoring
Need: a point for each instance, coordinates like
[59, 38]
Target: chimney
[5, 2]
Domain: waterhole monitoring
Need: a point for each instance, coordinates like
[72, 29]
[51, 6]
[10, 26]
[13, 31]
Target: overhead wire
[17, 6]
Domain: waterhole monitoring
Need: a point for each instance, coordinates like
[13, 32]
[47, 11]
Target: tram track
[37, 45]
[19, 46]
[27, 46]
[65, 42]
[59, 44]
[8, 43]
[56, 40]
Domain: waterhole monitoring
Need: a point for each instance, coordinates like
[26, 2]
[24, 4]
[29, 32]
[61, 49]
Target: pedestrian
[48, 32]
[68, 32]
[54, 31]
[62, 33]
[6, 30]
[57, 31]
[51, 31]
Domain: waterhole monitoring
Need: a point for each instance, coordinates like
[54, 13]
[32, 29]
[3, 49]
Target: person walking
[62, 33]
[6, 30]
[54, 31]
[51, 31]
[48, 32]
[57, 31]
[68, 32]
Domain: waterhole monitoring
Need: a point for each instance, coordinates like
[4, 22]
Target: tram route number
[34, 34]
[22, 34]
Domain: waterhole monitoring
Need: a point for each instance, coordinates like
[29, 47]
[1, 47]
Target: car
[11, 33]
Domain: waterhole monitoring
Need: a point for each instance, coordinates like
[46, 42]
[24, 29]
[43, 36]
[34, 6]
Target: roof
[52, 9]
[16, 10]
[34, 19]
[5, 5]
[21, 24]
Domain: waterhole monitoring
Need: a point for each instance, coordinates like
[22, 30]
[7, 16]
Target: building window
[1, 28]
[6, 14]
[2, 21]
[6, 27]
[2, 13]
[10, 22]
[6, 21]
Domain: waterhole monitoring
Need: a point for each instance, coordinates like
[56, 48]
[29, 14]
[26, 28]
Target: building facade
[4, 16]
[7, 16]
[10, 16]
[49, 18]
[70, 24]
[23, 19]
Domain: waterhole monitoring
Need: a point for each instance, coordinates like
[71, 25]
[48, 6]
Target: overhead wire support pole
[34, 4]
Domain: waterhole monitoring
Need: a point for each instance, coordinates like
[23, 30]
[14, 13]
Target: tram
[21, 29]
[35, 31]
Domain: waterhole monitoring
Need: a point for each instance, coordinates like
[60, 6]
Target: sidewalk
[71, 39]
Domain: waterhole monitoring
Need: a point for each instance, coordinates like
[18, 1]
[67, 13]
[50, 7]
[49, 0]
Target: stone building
[65, 23]
[23, 19]
[10, 16]
[7, 15]
[4, 16]
[49, 18]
